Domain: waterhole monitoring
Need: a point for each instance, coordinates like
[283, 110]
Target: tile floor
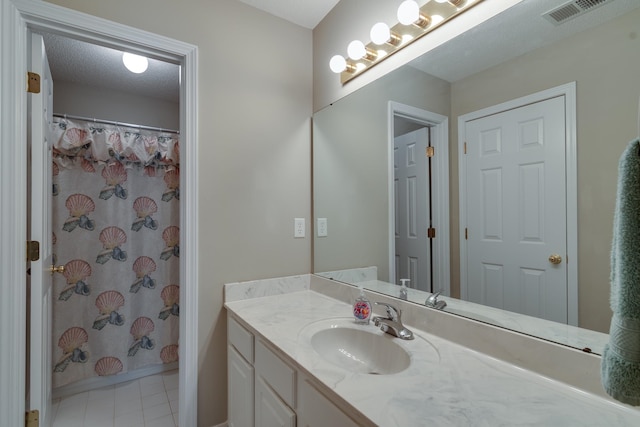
[146, 402]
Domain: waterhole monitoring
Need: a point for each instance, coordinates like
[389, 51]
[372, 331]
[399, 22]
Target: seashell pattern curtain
[116, 231]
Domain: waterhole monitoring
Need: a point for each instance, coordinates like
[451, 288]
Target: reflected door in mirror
[515, 210]
[412, 213]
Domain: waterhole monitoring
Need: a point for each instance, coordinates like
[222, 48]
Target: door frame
[439, 125]
[17, 17]
[567, 90]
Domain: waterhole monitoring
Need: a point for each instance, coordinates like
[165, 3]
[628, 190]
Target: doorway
[19, 18]
[404, 118]
[518, 205]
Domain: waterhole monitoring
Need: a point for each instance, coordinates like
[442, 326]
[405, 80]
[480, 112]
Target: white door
[40, 105]
[516, 210]
[412, 218]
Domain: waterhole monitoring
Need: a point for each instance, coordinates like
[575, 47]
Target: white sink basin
[359, 350]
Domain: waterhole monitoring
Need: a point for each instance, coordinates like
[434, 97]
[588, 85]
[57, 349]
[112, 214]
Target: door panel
[413, 259]
[40, 105]
[515, 210]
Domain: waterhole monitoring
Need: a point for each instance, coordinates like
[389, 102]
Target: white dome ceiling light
[135, 63]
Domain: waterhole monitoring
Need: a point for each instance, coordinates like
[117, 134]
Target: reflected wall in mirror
[515, 54]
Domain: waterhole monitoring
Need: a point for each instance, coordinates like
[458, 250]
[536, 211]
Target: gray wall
[98, 103]
[255, 97]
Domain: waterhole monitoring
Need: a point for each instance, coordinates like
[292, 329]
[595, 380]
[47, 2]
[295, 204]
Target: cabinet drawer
[240, 338]
[280, 376]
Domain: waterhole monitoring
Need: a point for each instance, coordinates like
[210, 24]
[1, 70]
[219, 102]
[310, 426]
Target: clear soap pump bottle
[404, 290]
[362, 309]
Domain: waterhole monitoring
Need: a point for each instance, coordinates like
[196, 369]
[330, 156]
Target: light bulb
[408, 12]
[356, 50]
[135, 63]
[380, 33]
[338, 64]
[436, 19]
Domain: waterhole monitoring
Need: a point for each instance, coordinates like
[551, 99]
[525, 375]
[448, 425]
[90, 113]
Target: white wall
[106, 104]
[255, 97]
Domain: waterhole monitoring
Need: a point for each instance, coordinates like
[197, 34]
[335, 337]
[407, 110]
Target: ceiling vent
[572, 9]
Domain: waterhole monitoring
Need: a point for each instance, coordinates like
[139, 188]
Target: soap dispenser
[404, 290]
[362, 308]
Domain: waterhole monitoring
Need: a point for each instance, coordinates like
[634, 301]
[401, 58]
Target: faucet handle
[433, 298]
[392, 312]
[433, 302]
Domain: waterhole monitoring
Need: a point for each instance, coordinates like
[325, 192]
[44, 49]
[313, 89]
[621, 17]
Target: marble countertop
[456, 387]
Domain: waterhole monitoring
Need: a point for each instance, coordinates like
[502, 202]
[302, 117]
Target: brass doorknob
[58, 269]
[555, 259]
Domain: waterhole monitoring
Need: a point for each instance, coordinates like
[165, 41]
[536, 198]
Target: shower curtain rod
[111, 122]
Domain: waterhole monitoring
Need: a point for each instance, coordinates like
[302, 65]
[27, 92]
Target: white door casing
[439, 128]
[412, 218]
[17, 18]
[40, 354]
[517, 201]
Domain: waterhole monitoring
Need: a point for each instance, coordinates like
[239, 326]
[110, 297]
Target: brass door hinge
[430, 152]
[466, 233]
[465, 148]
[32, 419]
[33, 82]
[33, 250]
[431, 233]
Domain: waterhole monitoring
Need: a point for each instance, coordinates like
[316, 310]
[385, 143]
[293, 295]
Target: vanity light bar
[432, 15]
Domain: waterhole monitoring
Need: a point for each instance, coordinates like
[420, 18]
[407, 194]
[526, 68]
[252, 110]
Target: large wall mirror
[519, 54]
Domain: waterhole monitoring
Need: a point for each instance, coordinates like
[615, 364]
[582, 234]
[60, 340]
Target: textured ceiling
[83, 63]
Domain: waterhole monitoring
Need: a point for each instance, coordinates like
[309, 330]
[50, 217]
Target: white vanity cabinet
[240, 375]
[315, 410]
[267, 391]
[270, 410]
[275, 389]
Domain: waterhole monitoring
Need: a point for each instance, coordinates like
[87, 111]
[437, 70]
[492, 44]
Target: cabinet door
[315, 410]
[240, 376]
[270, 410]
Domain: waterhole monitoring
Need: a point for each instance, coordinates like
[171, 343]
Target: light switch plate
[322, 227]
[298, 227]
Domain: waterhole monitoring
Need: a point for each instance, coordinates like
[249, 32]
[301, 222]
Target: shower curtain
[116, 231]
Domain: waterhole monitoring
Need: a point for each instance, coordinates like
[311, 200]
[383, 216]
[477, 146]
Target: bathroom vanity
[266, 386]
[285, 368]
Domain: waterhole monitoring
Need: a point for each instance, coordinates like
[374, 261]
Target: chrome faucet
[433, 302]
[392, 324]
